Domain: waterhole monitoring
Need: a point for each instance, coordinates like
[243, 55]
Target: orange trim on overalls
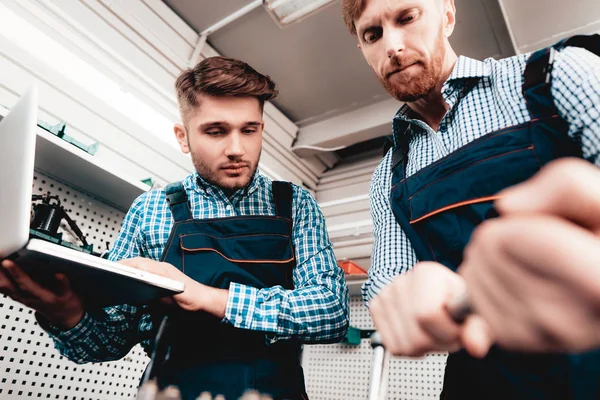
[455, 205]
[239, 261]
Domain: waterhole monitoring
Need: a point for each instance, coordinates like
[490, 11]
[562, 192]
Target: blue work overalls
[204, 353]
[439, 207]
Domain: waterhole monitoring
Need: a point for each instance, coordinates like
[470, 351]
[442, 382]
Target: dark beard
[211, 176]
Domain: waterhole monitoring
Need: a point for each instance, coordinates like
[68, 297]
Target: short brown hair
[351, 11]
[221, 76]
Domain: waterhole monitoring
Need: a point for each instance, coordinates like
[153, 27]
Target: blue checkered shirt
[494, 102]
[316, 311]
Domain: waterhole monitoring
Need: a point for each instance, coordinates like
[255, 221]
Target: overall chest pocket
[258, 260]
[446, 209]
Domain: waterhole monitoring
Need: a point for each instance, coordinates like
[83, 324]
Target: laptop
[98, 281]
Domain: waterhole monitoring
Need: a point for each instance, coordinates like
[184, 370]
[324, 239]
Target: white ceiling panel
[539, 23]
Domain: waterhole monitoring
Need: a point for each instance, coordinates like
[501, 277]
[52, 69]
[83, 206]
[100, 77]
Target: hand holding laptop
[60, 305]
[195, 297]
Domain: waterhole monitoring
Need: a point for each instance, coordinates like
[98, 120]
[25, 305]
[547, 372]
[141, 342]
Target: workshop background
[105, 71]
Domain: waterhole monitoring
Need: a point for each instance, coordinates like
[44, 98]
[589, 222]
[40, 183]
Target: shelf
[355, 283]
[68, 163]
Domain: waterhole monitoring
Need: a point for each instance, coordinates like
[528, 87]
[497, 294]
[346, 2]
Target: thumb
[62, 285]
[130, 262]
[566, 188]
[476, 336]
[136, 262]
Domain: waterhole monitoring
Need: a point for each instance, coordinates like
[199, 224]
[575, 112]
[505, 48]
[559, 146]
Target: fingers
[7, 287]
[136, 262]
[146, 265]
[476, 336]
[254, 395]
[544, 245]
[489, 270]
[516, 266]
[440, 287]
[554, 190]
[24, 285]
[410, 313]
[387, 320]
[62, 287]
[152, 266]
[496, 282]
[167, 301]
[183, 300]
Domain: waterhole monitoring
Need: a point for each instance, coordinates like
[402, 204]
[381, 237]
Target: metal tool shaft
[379, 372]
[459, 309]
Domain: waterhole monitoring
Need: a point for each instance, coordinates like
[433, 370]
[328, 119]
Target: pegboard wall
[340, 372]
[30, 367]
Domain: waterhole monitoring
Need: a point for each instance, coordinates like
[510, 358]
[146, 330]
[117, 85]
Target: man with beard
[260, 274]
[468, 130]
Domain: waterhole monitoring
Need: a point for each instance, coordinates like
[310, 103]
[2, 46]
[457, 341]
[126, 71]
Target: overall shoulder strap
[178, 201]
[387, 145]
[400, 155]
[588, 42]
[538, 79]
[283, 197]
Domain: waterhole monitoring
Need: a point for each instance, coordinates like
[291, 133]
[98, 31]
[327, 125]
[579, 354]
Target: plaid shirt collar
[467, 72]
[201, 186]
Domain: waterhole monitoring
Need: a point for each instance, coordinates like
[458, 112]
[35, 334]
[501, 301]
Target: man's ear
[181, 136]
[450, 17]
[360, 48]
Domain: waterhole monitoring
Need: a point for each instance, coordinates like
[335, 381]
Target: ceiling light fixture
[286, 12]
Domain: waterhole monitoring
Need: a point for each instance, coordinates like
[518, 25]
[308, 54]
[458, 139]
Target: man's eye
[214, 133]
[407, 19]
[249, 131]
[372, 35]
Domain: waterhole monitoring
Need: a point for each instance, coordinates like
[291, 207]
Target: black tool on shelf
[47, 216]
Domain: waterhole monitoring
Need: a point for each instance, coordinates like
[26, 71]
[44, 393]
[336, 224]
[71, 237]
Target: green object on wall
[148, 181]
[353, 336]
[59, 130]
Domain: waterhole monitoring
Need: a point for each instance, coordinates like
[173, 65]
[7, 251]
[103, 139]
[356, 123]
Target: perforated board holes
[30, 367]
